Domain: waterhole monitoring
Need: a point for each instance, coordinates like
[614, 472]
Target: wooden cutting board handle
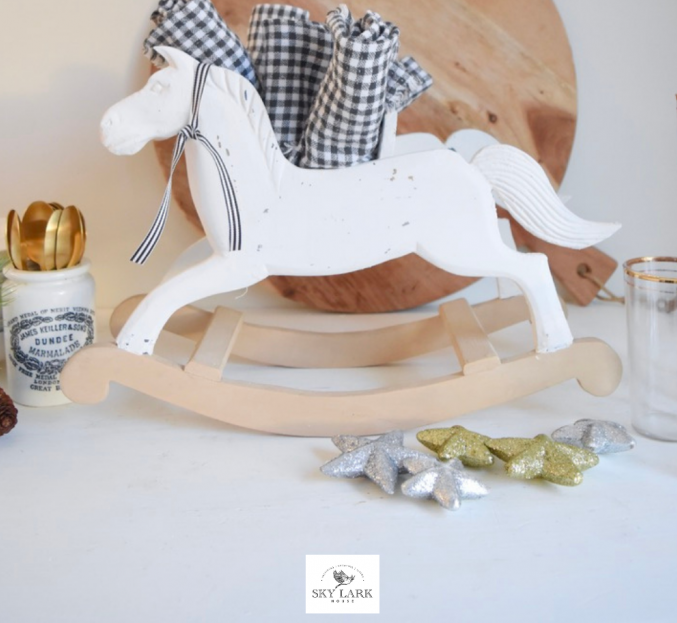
[568, 266]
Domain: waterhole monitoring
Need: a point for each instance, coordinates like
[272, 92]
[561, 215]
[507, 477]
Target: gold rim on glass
[648, 276]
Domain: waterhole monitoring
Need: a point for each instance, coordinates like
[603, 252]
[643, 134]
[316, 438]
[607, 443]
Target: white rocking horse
[264, 216]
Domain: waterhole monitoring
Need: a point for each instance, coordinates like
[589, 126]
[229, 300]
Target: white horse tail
[522, 187]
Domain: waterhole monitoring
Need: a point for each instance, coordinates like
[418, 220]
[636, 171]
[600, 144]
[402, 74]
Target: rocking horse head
[158, 111]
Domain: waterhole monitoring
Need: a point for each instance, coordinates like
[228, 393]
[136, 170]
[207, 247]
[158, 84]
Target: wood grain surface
[502, 67]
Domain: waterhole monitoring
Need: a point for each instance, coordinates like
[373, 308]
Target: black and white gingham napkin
[195, 27]
[291, 55]
[407, 80]
[344, 124]
[326, 86]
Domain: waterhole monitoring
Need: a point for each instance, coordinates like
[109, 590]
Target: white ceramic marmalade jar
[48, 316]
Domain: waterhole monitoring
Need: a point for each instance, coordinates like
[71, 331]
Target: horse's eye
[157, 88]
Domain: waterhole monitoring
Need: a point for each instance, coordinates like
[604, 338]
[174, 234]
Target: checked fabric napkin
[291, 54]
[344, 124]
[326, 87]
[194, 27]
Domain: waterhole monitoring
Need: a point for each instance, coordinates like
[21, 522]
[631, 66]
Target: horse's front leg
[197, 252]
[217, 274]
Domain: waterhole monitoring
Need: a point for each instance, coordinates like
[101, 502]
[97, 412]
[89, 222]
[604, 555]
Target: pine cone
[8, 413]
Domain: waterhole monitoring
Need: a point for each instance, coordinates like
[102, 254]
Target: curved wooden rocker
[485, 379]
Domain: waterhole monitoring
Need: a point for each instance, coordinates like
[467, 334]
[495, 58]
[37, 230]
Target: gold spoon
[49, 243]
[79, 241]
[33, 230]
[14, 239]
[69, 229]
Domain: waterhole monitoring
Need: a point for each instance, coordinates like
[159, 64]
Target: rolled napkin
[344, 123]
[407, 80]
[316, 80]
[195, 27]
[291, 54]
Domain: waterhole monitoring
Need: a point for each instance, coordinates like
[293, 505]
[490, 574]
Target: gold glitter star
[541, 457]
[457, 443]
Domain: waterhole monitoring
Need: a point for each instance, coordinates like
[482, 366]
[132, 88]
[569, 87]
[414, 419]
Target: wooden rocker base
[485, 379]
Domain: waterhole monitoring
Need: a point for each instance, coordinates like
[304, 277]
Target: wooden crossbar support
[472, 346]
[275, 346]
[212, 351]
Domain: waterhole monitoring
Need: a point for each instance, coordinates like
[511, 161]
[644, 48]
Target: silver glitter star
[378, 459]
[600, 436]
[444, 481]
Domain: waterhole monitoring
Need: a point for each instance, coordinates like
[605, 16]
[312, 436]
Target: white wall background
[624, 163]
[63, 63]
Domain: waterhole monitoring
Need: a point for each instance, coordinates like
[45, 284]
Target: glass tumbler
[651, 307]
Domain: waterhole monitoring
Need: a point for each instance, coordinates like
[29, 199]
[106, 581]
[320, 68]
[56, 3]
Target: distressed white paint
[323, 222]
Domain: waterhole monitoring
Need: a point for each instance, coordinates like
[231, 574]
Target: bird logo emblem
[343, 578]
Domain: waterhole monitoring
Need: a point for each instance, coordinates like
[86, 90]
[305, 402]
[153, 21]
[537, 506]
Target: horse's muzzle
[109, 132]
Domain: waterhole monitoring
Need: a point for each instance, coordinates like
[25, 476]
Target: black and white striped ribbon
[191, 131]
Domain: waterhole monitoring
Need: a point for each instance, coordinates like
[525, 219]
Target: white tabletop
[134, 510]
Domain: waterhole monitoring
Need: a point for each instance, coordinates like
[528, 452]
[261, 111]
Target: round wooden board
[502, 67]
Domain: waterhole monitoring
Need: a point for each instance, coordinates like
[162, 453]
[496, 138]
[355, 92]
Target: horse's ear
[174, 57]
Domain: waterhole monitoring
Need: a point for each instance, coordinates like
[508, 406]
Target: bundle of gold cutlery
[49, 237]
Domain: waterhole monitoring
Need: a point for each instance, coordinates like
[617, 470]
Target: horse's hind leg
[531, 273]
[217, 274]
